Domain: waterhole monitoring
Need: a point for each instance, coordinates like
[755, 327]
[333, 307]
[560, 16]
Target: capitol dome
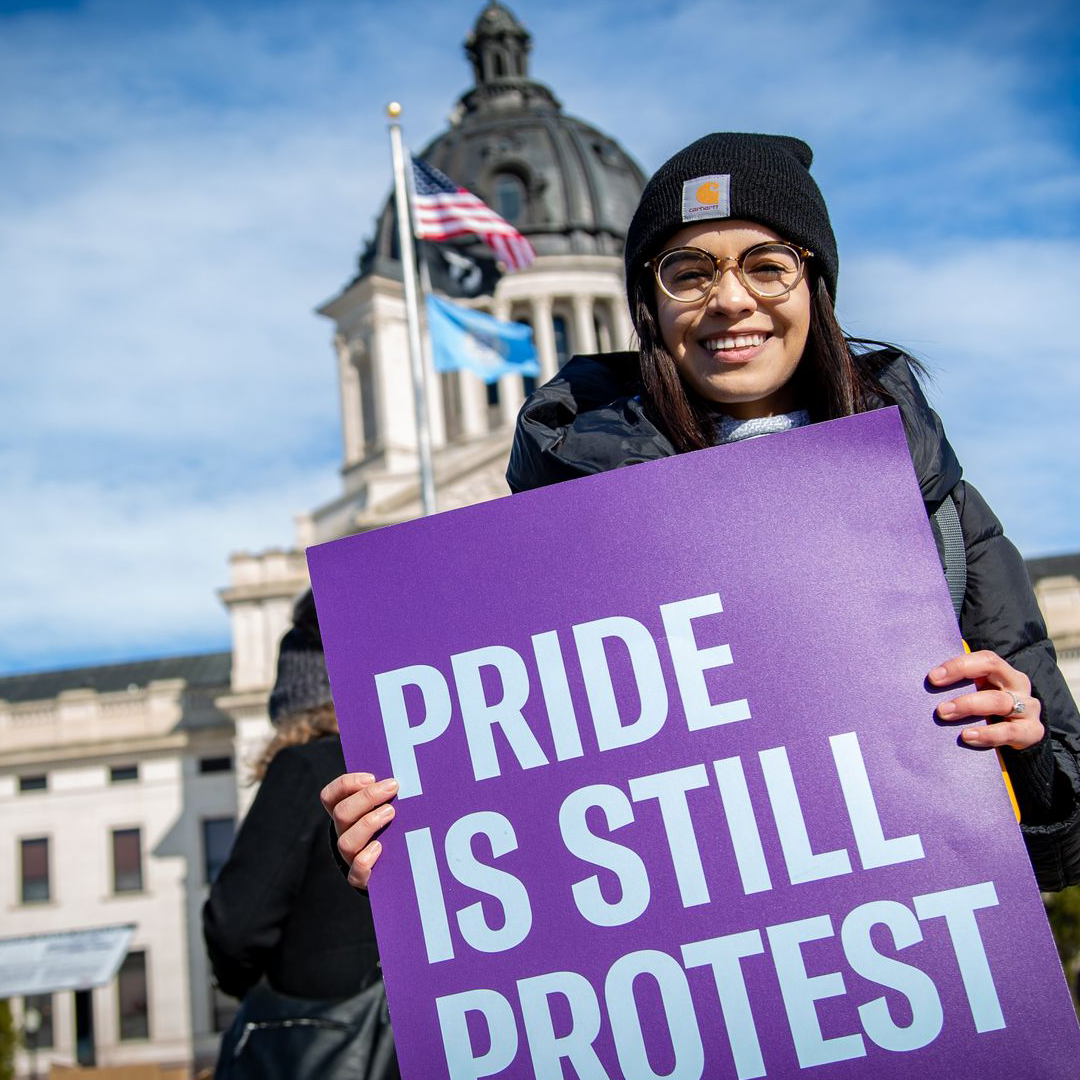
[567, 186]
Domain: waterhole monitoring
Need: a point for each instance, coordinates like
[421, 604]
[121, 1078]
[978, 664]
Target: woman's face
[732, 347]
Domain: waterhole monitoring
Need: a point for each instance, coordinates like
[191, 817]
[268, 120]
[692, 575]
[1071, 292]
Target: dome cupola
[570, 188]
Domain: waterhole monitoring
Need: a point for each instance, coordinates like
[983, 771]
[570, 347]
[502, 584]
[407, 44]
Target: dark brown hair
[832, 379]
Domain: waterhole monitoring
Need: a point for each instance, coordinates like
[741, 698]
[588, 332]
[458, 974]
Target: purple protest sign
[673, 799]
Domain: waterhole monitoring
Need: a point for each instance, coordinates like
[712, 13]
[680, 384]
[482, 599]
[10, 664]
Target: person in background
[283, 930]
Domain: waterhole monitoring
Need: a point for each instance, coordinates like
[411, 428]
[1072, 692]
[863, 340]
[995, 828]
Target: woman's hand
[1000, 690]
[359, 808]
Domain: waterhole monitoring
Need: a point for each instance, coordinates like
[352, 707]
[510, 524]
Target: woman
[731, 269]
[283, 931]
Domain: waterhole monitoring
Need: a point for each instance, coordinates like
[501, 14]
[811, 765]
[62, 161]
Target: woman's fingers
[359, 807]
[1019, 734]
[360, 830]
[985, 703]
[360, 868]
[349, 797]
[1001, 690]
[341, 787]
[977, 666]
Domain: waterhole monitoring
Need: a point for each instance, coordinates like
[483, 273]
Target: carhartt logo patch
[706, 197]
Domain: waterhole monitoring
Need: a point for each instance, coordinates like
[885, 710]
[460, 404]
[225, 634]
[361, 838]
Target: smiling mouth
[734, 342]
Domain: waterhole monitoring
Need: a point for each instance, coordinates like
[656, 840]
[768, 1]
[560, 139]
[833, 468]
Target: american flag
[441, 209]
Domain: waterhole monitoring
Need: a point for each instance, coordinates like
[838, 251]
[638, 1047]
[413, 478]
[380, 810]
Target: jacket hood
[589, 419]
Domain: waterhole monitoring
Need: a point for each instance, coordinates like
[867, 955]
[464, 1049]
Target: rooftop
[202, 670]
[1067, 565]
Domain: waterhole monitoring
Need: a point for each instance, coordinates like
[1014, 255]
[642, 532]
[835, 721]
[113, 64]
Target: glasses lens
[686, 274]
[771, 269]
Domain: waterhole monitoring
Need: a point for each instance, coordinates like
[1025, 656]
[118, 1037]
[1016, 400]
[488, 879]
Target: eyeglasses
[768, 271]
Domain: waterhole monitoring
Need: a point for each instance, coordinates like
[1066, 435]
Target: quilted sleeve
[1000, 613]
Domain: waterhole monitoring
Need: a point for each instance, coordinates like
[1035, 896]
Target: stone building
[118, 794]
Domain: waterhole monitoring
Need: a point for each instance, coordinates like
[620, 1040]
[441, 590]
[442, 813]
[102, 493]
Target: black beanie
[759, 178]
[302, 681]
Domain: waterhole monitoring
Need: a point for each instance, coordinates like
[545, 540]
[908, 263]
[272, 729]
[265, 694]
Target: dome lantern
[498, 47]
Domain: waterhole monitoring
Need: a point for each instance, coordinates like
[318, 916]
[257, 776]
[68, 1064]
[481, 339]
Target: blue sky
[183, 183]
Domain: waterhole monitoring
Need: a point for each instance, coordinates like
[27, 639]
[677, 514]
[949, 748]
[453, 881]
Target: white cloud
[99, 571]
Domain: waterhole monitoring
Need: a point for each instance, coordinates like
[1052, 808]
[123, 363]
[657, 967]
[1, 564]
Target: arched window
[509, 197]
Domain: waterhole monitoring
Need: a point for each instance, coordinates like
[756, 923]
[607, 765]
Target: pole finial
[393, 110]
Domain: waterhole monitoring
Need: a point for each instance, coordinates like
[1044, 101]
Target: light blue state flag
[463, 338]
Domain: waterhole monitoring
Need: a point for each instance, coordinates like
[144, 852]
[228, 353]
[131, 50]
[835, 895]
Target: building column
[584, 327]
[511, 389]
[544, 333]
[624, 328]
[473, 404]
[352, 413]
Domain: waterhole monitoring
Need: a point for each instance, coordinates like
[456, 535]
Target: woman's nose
[729, 295]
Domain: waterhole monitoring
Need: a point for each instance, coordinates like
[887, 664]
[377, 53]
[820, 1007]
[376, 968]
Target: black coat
[590, 418]
[279, 907]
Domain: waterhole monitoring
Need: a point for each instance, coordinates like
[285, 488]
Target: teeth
[742, 341]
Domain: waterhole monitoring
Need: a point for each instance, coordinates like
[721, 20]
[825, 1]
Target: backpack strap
[948, 523]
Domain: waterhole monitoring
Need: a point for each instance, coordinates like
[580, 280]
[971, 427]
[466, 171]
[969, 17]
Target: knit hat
[759, 178]
[302, 681]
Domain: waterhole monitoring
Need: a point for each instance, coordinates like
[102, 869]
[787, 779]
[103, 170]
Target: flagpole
[412, 309]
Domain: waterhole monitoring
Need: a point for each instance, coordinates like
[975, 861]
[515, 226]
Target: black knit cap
[302, 681]
[770, 184]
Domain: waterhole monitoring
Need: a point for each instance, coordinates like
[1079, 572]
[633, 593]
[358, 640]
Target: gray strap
[948, 522]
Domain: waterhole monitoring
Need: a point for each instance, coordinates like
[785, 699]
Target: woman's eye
[768, 269]
[686, 277]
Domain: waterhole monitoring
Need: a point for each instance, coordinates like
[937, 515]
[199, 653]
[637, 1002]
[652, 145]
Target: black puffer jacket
[589, 419]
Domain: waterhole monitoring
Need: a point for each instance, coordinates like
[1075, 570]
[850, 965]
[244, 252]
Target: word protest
[673, 800]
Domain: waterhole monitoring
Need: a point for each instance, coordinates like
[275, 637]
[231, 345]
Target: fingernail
[938, 673]
[389, 786]
[970, 735]
[946, 708]
[376, 847]
[365, 777]
[384, 813]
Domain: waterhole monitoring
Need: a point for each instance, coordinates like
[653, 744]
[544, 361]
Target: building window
[562, 339]
[39, 782]
[217, 842]
[38, 1022]
[35, 870]
[222, 1009]
[133, 1010]
[215, 764]
[123, 774]
[509, 197]
[127, 860]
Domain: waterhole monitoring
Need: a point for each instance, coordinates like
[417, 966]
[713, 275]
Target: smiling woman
[731, 271]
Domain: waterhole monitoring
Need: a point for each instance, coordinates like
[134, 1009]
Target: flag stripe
[443, 210]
